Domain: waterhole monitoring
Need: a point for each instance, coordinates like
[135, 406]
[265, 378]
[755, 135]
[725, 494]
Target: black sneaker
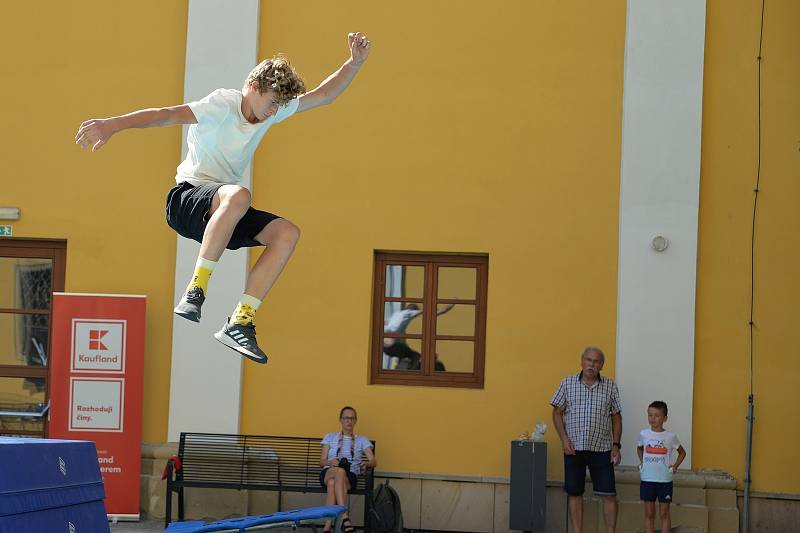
[242, 338]
[190, 304]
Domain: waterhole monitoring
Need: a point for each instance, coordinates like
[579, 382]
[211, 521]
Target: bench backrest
[251, 461]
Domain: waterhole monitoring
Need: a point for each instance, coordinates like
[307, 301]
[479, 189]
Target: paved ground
[151, 526]
[147, 526]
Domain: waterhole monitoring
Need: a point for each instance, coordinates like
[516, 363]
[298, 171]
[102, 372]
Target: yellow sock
[202, 273]
[245, 311]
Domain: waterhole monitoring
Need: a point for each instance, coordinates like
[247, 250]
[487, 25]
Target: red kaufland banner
[96, 379]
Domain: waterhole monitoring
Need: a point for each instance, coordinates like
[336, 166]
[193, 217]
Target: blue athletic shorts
[649, 491]
[601, 470]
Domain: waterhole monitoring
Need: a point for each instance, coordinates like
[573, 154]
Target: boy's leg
[649, 516]
[280, 238]
[666, 519]
[228, 205]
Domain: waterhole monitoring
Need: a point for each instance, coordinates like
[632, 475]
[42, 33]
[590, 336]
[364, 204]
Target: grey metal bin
[528, 490]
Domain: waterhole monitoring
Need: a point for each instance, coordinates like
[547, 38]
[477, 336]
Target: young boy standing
[207, 204]
[655, 448]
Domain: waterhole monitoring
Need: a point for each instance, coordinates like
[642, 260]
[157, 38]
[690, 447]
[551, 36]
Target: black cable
[755, 204]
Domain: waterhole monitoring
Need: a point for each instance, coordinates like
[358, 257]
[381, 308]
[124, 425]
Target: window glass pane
[23, 339]
[402, 354]
[25, 283]
[403, 281]
[402, 317]
[17, 395]
[455, 356]
[457, 283]
[456, 320]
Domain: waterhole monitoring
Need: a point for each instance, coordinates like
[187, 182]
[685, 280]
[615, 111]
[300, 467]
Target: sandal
[347, 526]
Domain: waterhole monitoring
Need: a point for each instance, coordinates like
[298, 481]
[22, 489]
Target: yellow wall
[63, 63]
[729, 162]
[476, 130]
[485, 130]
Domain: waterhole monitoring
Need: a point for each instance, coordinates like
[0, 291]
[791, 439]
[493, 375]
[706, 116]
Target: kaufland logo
[98, 345]
[94, 339]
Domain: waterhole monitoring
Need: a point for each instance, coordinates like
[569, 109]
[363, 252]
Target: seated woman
[345, 455]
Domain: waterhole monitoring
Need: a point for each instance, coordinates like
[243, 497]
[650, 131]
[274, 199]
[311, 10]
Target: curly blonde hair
[277, 75]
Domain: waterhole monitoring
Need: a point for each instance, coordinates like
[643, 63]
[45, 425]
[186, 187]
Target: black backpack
[385, 515]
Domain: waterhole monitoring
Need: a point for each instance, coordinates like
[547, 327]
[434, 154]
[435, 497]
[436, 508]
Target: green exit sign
[6, 231]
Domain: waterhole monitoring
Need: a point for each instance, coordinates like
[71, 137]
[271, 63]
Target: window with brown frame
[429, 319]
[30, 271]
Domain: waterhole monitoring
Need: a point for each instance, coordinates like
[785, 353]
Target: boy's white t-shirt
[658, 449]
[222, 143]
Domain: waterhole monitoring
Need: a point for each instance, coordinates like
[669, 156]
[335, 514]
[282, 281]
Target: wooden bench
[251, 462]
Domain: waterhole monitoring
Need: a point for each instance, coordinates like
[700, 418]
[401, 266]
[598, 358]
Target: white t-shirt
[400, 320]
[657, 458]
[222, 143]
[341, 446]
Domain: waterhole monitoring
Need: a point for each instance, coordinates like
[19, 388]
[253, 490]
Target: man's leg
[601, 470]
[229, 204]
[576, 513]
[610, 513]
[574, 482]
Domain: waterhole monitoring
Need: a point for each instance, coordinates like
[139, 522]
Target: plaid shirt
[587, 411]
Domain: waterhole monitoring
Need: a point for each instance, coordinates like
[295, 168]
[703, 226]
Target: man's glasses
[349, 418]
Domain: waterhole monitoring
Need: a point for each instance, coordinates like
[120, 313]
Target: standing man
[586, 414]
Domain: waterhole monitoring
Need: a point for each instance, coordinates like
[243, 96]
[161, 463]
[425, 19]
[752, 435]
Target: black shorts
[649, 491]
[350, 476]
[187, 213]
[601, 470]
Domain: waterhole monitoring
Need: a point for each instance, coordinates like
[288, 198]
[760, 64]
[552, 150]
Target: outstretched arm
[445, 309]
[336, 83]
[96, 132]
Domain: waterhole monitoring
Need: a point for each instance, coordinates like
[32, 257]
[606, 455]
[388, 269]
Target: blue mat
[48, 484]
[287, 518]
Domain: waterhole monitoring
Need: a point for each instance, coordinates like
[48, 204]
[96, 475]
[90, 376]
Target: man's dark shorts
[187, 213]
[649, 491]
[601, 471]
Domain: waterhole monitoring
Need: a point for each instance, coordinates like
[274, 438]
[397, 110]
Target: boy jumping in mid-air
[655, 448]
[207, 205]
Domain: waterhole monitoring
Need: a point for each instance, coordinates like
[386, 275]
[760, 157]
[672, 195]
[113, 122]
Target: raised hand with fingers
[359, 47]
[94, 133]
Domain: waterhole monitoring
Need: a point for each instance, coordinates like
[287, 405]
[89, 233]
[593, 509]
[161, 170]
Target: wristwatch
[617, 444]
